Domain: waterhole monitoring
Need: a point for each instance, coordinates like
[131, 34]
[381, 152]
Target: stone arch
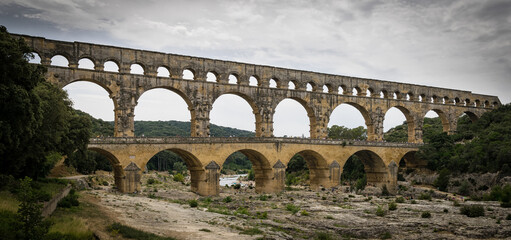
[374, 166]
[114, 60]
[274, 83]
[409, 121]
[308, 109]
[252, 104]
[473, 117]
[99, 83]
[319, 175]
[410, 160]
[35, 58]
[191, 70]
[443, 117]
[58, 56]
[210, 74]
[119, 175]
[234, 78]
[194, 165]
[86, 59]
[164, 73]
[363, 111]
[263, 171]
[254, 80]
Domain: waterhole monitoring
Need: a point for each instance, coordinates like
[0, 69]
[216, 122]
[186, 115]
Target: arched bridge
[269, 156]
[263, 87]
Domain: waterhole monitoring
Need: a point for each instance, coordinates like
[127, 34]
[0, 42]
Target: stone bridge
[263, 87]
[269, 156]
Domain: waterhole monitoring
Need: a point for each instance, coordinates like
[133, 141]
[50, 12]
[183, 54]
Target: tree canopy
[37, 120]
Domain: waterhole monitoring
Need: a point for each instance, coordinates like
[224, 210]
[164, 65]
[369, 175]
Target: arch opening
[93, 98]
[249, 165]
[273, 83]
[253, 81]
[235, 111]
[373, 167]
[434, 122]
[398, 125]
[308, 167]
[188, 74]
[211, 77]
[309, 87]
[162, 72]
[86, 63]
[291, 85]
[111, 66]
[233, 79]
[136, 68]
[348, 121]
[60, 61]
[293, 118]
[33, 58]
[163, 112]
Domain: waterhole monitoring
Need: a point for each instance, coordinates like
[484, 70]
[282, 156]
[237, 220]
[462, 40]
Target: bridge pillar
[375, 128]
[208, 183]
[335, 174]
[127, 180]
[392, 171]
[271, 180]
[201, 107]
[264, 123]
[419, 122]
[319, 177]
[124, 113]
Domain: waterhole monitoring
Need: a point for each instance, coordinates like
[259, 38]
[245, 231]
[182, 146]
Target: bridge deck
[211, 140]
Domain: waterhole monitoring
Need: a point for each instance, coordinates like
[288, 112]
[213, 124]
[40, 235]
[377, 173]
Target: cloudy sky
[464, 44]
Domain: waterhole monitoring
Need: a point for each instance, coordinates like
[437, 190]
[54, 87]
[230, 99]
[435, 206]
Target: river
[230, 179]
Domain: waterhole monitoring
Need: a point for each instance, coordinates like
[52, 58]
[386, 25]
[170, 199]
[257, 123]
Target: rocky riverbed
[167, 208]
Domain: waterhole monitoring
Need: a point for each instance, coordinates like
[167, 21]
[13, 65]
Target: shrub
[445, 210]
[386, 235]
[237, 186]
[251, 231]
[179, 178]
[392, 206]
[380, 212]
[304, 213]
[443, 180]
[227, 199]
[262, 215]
[292, 208]
[464, 189]
[323, 236]
[193, 203]
[472, 210]
[152, 181]
[425, 196]
[263, 197]
[426, 214]
[400, 200]
[70, 200]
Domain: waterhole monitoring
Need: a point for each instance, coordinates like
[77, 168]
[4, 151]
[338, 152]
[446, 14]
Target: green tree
[341, 132]
[32, 226]
[37, 119]
[442, 182]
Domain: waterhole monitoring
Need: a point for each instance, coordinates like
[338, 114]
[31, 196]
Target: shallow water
[230, 180]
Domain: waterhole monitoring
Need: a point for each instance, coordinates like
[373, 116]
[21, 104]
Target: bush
[193, 203]
[443, 180]
[380, 212]
[263, 197]
[132, 233]
[304, 213]
[70, 200]
[472, 210]
[179, 178]
[508, 217]
[392, 206]
[292, 208]
[227, 199]
[464, 189]
[426, 214]
[151, 181]
[237, 186]
[425, 196]
[400, 200]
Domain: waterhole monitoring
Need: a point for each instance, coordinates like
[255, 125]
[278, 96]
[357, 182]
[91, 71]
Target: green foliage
[70, 200]
[464, 189]
[323, 236]
[482, 146]
[426, 214]
[99, 128]
[443, 180]
[30, 221]
[238, 163]
[502, 194]
[296, 164]
[380, 212]
[131, 233]
[341, 132]
[425, 196]
[193, 203]
[151, 181]
[227, 199]
[292, 208]
[179, 178]
[400, 200]
[472, 210]
[251, 175]
[392, 206]
[353, 170]
[165, 161]
[252, 231]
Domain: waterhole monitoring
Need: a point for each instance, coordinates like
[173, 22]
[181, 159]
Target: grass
[292, 208]
[252, 231]
[8, 202]
[71, 227]
[129, 232]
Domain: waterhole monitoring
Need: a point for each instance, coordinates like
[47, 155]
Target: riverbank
[299, 213]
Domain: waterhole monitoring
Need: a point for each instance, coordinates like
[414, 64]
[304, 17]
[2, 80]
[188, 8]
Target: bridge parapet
[210, 140]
